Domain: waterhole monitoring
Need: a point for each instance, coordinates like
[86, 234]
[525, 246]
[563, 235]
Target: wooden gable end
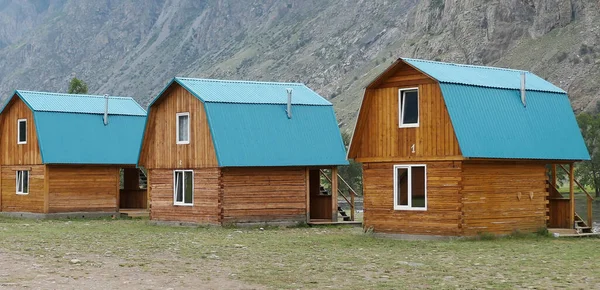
[13, 153]
[160, 148]
[378, 138]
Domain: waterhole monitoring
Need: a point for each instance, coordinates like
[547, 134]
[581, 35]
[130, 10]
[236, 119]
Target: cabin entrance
[324, 207]
[133, 194]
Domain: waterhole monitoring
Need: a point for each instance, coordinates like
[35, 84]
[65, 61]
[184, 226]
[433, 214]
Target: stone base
[61, 215]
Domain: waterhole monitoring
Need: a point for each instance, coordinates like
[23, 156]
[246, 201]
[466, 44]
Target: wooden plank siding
[82, 188]
[13, 153]
[160, 149]
[380, 137]
[267, 194]
[206, 207]
[490, 197]
[443, 214]
[32, 202]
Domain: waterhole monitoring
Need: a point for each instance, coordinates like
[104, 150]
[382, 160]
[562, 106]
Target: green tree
[353, 172]
[588, 172]
[77, 86]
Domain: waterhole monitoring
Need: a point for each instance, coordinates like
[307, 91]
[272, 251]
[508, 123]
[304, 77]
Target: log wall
[32, 202]
[206, 207]
[264, 194]
[443, 214]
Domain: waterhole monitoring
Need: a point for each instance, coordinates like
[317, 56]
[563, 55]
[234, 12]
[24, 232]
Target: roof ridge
[465, 65]
[74, 95]
[239, 81]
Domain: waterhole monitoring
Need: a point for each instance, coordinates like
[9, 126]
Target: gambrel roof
[70, 128]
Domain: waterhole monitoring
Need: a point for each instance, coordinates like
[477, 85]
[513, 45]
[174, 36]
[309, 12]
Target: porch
[325, 198]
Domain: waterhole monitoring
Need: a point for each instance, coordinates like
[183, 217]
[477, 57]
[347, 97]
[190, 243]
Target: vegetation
[80, 251]
[77, 86]
[353, 172]
[588, 172]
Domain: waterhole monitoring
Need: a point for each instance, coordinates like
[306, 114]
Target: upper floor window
[409, 107]
[22, 182]
[22, 131]
[183, 128]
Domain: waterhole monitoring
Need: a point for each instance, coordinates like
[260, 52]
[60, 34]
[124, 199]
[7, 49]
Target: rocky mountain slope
[135, 47]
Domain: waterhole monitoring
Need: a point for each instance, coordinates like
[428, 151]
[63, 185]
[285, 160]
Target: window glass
[178, 186]
[410, 109]
[402, 186]
[418, 186]
[22, 132]
[189, 187]
[183, 130]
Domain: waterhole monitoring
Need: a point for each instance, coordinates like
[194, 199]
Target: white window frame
[409, 187]
[401, 108]
[22, 192]
[188, 127]
[182, 203]
[19, 131]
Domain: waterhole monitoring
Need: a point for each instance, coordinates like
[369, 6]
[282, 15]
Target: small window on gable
[410, 187]
[183, 191]
[22, 131]
[183, 128]
[409, 107]
[22, 182]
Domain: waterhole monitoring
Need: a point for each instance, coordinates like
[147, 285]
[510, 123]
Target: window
[409, 107]
[22, 131]
[183, 128]
[183, 187]
[410, 187]
[22, 182]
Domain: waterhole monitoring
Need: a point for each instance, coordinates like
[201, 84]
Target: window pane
[178, 186]
[183, 128]
[402, 186]
[22, 131]
[189, 186]
[25, 179]
[418, 186]
[410, 114]
[19, 183]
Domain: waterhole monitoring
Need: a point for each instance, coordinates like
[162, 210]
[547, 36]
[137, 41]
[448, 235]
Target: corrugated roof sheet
[493, 123]
[88, 104]
[248, 92]
[69, 138]
[481, 76]
[262, 135]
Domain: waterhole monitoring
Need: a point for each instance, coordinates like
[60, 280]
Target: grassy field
[99, 254]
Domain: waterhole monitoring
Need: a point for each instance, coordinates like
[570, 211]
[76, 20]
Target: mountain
[133, 48]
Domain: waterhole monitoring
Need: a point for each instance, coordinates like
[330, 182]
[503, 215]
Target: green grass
[303, 257]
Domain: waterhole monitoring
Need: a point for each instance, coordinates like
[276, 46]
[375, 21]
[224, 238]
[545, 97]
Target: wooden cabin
[458, 150]
[61, 154]
[234, 152]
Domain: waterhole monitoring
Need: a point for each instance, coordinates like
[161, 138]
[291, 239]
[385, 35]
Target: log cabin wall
[503, 197]
[34, 201]
[83, 188]
[443, 214]
[13, 153]
[378, 130]
[267, 194]
[160, 149]
[206, 208]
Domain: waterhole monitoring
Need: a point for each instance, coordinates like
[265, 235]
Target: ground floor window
[183, 187]
[22, 182]
[410, 187]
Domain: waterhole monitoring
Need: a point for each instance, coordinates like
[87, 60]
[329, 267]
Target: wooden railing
[590, 199]
[351, 192]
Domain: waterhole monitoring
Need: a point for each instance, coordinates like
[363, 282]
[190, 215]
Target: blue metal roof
[67, 138]
[492, 77]
[88, 104]
[262, 135]
[493, 123]
[248, 92]
[71, 130]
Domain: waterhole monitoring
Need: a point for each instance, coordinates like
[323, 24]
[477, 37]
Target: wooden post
[307, 184]
[352, 208]
[590, 220]
[571, 196]
[553, 181]
[334, 194]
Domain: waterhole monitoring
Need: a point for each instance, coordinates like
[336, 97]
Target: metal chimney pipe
[105, 110]
[523, 89]
[289, 102]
